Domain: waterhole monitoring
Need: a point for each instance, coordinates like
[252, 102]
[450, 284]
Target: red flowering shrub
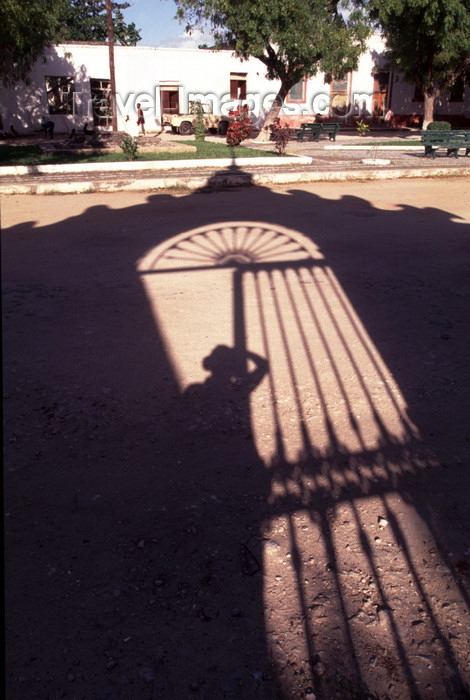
[240, 126]
[281, 135]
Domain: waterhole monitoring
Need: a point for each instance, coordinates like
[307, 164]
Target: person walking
[140, 118]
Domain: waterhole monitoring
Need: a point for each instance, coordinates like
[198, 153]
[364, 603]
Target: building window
[418, 95]
[101, 100]
[456, 90]
[238, 86]
[339, 97]
[298, 92]
[59, 90]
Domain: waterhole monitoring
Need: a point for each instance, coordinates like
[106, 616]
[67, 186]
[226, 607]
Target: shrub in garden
[362, 128]
[130, 147]
[198, 126]
[281, 135]
[240, 126]
[439, 126]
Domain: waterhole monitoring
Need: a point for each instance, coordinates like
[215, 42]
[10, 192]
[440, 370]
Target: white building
[72, 85]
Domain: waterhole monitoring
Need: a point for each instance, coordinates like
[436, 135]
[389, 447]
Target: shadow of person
[227, 482]
[221, 402]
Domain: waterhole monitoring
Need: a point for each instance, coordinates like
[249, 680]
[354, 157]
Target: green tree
[293, 38]
[27, 27]
[85, 20]
[428, 42]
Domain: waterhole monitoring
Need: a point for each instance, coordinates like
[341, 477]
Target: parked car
[184, 123]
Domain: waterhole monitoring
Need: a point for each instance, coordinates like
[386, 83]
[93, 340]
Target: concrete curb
[360, 147]
[134, 166]
[364, 174]
[224, 180]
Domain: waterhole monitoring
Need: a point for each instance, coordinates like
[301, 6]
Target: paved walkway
[349, 158]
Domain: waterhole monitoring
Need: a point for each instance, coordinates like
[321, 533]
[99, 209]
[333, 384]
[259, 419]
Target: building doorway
[380, 94]
[169, 99]
[101, 100]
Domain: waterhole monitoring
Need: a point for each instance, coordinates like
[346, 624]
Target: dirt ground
[237, 443]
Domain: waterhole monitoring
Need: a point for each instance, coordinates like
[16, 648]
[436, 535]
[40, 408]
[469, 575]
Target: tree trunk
[428, 109]
[273, 113]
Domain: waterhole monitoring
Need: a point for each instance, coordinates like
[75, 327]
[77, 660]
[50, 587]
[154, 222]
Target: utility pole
[112, 74]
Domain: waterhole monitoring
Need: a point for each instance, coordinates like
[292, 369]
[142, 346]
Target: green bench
[466, 137]
[313, 130]
[309, 131]
[452, 140]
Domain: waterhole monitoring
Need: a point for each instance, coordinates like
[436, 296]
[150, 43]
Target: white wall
[403, 102]
[140, 71]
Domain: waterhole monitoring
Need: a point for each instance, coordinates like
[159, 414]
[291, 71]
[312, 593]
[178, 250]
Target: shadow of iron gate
[330, 430]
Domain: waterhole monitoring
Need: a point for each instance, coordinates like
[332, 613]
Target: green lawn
[32, 155]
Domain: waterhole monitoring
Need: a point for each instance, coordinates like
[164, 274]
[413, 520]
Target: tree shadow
[26, 107]
[234, 465]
